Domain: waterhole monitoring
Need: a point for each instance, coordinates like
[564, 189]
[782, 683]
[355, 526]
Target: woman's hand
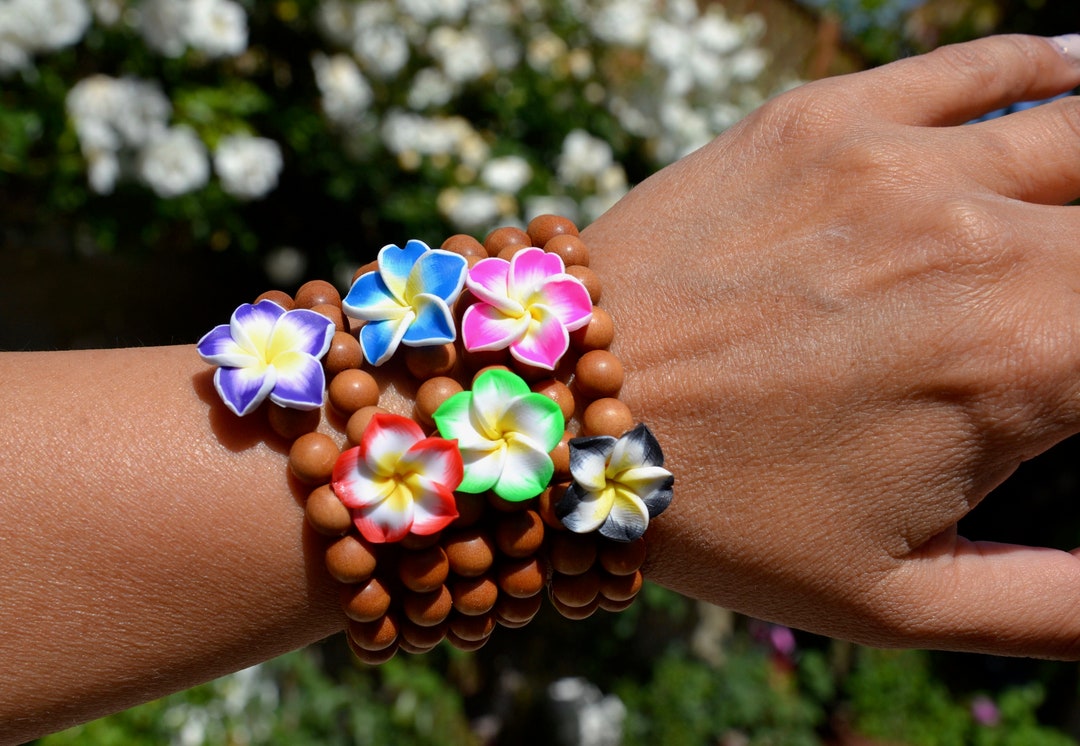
[847, 320]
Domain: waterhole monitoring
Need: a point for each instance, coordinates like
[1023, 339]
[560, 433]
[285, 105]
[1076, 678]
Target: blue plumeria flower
[266, 351]
[407, 301]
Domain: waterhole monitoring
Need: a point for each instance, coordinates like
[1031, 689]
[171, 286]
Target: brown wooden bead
[424, 570]
[374, 635]
[596, 335]
[333, 313]
[546, 502]
[471, 508]
[326, 513]
[621, 587]
[365, 602]
[351, 559]
[358, 422]
[558, 392]
[312, 458]
[560, 458]
[464, 245]
[344, 354]
[570, 248]
[468, 646]
[470, 551]
[352, 389]
[519, 534]
[508, 506]
[576, 590]
[529, 373]
[425, 362]
[431, 394]
[478, 360]
[416, 542]
[607, 416]
[597, 374]
[280, 297]
[421, 635]
[521, 577]
[372, 266]
[473, 628]
[608, 604]
[474, 595]
[291, 423]
[427, 609]
[543, 228]
[317, 293]
[407, 647]
[576, 613]
[500, 238]
[589, 279]
[508, 252]
[622, 557]
[570, 553]
[518, 610]
[372, 657]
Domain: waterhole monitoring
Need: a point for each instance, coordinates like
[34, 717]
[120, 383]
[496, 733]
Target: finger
[960, 82]
[993, 598]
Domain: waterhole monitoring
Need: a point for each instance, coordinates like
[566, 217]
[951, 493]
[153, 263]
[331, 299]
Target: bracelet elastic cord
[519, 471]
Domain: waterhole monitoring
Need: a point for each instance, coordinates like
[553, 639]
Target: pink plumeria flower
[398, 481]
[529, 304]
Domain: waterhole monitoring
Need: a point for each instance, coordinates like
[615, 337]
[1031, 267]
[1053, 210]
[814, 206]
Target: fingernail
[1069, 45]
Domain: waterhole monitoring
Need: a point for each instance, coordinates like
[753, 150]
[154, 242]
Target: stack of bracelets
[449, 523]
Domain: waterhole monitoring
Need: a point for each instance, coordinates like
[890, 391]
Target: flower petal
[482, 467]
[243, 389]
[487, 281]
[395, 266]
[583, 512]
[660, 498]
[538, 418]
[385, 441]
[433, 325]
[388, 520]
[526, 470]
[217, 347]
[370, 299]
[492, 394]
[252, 324]
[485, 327]
[628, 518]
[437, 459]
[301, 382]
[588, 461]
[355, 484]
[380, 339]
[568, 299]
[453, 418]
[530, 270]
[300, 330]
[545, 342]
[434, 507]
[439, 273]
[644, 480]
[636, 447]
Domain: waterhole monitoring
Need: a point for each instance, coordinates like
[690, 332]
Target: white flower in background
[346, 94]
[428, 12]
[508, 174]
[115, 113]
[461, 54]
[379, 41]
[29, 27]
[544, 49]
[103, 170]
[247, 166]
[107, 12]
[174, 163]
[217, 27]
[163, 25]
[430, 88]
[748, 64]
[583, 157]
[470, 209]
[624, 22]
[550, 205]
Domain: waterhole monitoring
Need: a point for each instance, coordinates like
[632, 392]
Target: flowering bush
[337, 124]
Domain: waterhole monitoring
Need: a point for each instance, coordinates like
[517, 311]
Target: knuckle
[802, 115]
[982, 64]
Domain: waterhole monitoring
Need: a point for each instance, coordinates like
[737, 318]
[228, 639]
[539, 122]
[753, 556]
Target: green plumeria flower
[505, 433]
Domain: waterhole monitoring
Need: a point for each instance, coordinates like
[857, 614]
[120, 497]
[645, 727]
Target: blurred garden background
[161, 159]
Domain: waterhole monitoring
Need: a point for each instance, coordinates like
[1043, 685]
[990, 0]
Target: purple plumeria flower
[266, 351]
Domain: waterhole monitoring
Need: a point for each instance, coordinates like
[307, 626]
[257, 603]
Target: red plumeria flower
[398, 480]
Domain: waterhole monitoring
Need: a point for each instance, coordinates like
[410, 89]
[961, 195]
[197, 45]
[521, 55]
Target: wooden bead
[522, 577]
[622, 557]
[471, 508]
[291, 423]
[430, 396]
[596, 335]
[464, 245]
[333, 313]
[427, 609]
[607, 417]
[374, 635]
[416, 542]
[351, 559]
[358, 422]
[407, 647]
[487, 368]
[280, 297]
[478, 360]
[344, 354]
[558, 392]
[500, 238]
[518, 610]
[546, 502]
[425, 570]
[508, 506]
[365, 602]
[473, 628]
[326, 513]
[508, 252]
[529, 373]
[352, 389]
[372, 657]
[470, 552]
[614, 606]
[576, 613]
[474, 595]
[570, 248]
[576, 590]
[421, 635]
[560, 458]
[621, 587]
[468, 646]
[589, 279]
[597, 374]
[426, 362]
[570, 553]
[519, 534]
[317, 293]
[312, 458]
[543, 228]
[372, 266]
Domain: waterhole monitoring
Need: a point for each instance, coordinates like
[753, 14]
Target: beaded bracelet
[452, 522]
